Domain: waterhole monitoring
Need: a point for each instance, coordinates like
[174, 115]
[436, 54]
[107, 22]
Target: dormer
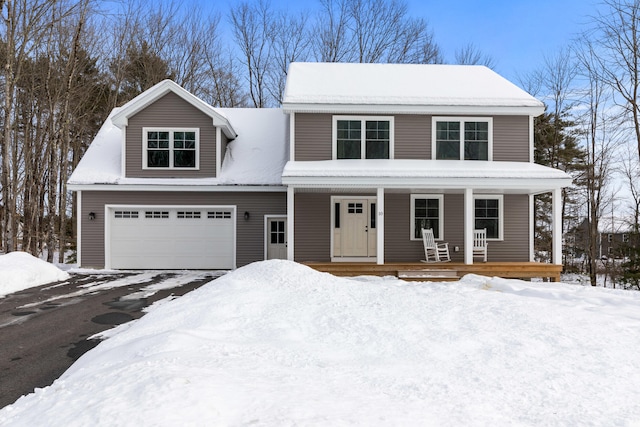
[168, 132]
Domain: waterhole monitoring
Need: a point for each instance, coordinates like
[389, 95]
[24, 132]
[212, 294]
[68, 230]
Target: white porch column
[557, 226]
[380, 226]
[468, 226]
[290, 220]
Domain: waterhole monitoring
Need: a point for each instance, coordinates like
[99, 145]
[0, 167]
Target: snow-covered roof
[408, 88]
[256, 157]
[517, 177]
[149, 96]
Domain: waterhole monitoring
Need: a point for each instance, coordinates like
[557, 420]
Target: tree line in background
[67, 63]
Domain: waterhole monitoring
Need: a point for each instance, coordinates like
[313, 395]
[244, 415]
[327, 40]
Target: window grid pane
[426, 215]
[476, 141]
[377, 139]
[487, 215]
[448, 140]
[349, 139]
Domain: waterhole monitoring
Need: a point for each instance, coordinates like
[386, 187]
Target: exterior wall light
[246, 216]
[92, 216]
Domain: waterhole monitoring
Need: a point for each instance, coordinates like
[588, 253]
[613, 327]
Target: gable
[170, 112]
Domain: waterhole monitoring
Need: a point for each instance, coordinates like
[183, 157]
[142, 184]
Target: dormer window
[176, 148]
[466, 138]
[357, 137]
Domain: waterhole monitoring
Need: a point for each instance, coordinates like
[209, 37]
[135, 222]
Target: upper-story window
[362, 137]
[175, 148]
[462, 138]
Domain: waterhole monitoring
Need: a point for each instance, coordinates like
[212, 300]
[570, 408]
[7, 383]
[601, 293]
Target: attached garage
[170, 237]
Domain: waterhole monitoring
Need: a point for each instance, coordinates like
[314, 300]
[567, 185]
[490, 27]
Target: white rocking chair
[480, 244]
[434, 252]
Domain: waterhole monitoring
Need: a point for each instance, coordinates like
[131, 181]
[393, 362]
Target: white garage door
[171, 238]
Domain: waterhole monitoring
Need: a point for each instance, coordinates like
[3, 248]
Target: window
[277, 232]
[156, 214]
[126, 214]
[427, 211]
[462, 138]
[188, 214]
[170, 148]
[488, 214]
[363, 138]
[625, 238]
[219, 215]
[610, 238]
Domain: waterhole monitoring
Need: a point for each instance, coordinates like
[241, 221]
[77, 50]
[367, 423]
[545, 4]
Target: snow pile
[276, 343]
[19, 270]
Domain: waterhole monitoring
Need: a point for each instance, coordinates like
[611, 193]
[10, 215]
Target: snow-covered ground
[19, 270]
[278, 344]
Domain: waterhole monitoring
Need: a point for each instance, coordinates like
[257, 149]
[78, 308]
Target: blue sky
[516, 33]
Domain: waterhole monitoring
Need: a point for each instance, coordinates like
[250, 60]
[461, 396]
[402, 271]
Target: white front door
[276, 237]
[354, 227]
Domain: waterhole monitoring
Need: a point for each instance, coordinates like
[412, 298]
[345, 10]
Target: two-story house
[357, 161]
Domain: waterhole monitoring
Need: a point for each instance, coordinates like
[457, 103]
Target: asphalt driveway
[43, 330]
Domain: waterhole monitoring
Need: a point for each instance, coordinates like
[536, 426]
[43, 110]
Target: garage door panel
[172, 238]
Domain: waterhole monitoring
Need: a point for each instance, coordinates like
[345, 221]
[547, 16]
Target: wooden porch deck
[442, 271]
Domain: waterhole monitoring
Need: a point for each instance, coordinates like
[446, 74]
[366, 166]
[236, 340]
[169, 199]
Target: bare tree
[615, 41]
[333, 42]
[630, 169]
[289, 42]
[602, 132]
[471, 55]
[252, 29]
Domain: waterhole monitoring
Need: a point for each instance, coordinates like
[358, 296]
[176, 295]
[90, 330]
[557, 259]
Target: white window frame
[500, 199]
[412, 209]
[363, 120]
[462, 121]
[145, 134]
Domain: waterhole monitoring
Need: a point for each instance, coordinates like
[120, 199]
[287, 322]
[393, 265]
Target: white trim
[500, 199]
[504, 184]
[171, 131]
[531, 228]
[293, 107]
[79, 219]
[290, 223]
[267, 217]
[462, 121]
[468, 225]
[149, 96]
[111, 207]
[556, 197]
[412, 214]
[292, 136]
[177, 187]
[218, 151]
[363, 145]
[380, 225]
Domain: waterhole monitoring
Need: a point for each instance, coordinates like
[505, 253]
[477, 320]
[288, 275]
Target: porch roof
[431, 175]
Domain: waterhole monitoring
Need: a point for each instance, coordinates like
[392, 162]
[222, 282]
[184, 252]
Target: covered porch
[445, 271]
[381, 192]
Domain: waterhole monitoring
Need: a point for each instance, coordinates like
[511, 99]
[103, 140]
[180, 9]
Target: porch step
[428, 274]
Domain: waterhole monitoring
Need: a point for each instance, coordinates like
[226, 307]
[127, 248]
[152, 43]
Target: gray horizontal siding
[511, 138]
[312, 227]
[412, 137]
[167, 112]
[313, 137]
[250, 234]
